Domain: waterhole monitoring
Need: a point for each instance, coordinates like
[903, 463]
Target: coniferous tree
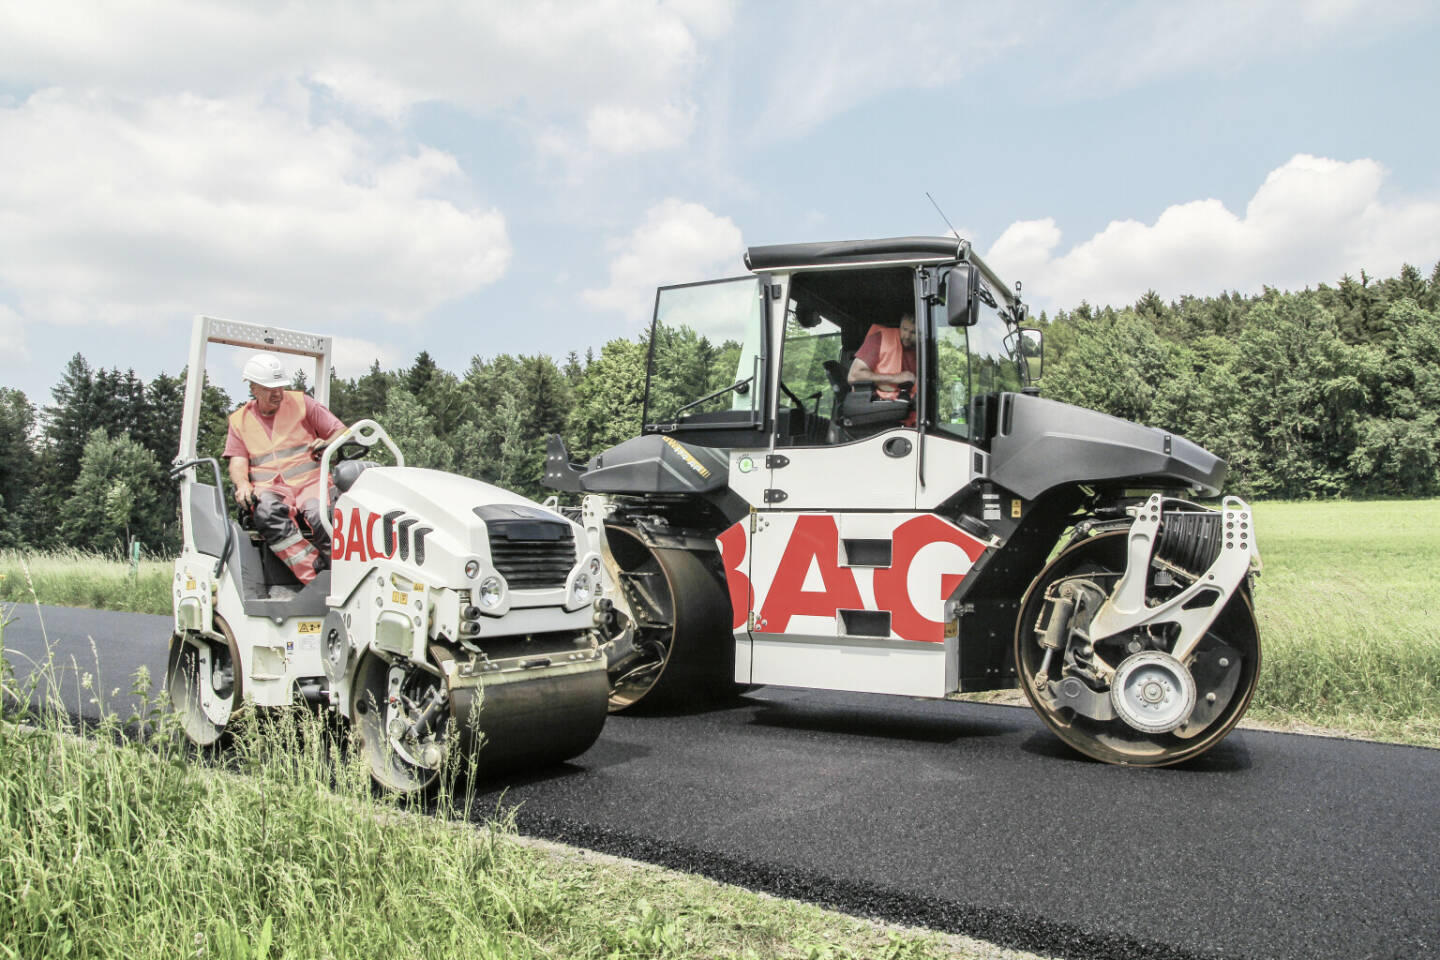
[17, 423]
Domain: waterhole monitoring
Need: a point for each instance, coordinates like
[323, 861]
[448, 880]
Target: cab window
[972, 363]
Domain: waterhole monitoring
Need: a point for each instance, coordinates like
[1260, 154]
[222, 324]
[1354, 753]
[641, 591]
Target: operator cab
[766, 360]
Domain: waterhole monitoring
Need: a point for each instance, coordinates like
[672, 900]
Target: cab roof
[896, 250]
[837, 252]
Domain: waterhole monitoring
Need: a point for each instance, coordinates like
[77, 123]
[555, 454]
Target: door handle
[897, 447]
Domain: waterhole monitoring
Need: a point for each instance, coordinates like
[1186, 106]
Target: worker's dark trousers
[275, 518]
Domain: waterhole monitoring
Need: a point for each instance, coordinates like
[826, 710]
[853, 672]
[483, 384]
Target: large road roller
[846, 478]
[453, 627]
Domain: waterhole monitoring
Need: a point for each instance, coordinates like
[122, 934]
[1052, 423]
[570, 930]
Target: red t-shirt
[869, 354]
[318, 421]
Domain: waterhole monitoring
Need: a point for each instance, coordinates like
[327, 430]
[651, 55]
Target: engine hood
[1041, 444]
[657, 464]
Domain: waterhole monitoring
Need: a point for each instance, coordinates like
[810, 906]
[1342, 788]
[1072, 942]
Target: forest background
[1331, 392]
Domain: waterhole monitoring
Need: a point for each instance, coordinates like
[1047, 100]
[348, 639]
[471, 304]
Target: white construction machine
[776, 523]
[456, 616]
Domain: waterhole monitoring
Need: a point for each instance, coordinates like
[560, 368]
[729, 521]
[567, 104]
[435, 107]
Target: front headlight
[491, 592]
[581, 589]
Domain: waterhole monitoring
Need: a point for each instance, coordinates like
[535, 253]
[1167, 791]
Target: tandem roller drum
[682, 649]
[530, 718]
[417, 721]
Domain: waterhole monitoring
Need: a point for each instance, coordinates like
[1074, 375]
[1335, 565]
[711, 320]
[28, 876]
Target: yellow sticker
[189, 584]
[1015, 509]
[419, 588]
[308, 626]
[400, 598]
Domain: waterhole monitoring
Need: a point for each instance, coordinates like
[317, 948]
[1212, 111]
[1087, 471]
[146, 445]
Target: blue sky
[486, 178]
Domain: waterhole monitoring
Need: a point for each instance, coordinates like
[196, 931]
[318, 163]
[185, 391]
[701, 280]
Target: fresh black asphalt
[965, 817]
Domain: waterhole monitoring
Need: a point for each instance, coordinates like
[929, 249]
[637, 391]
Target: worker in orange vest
[273, 447]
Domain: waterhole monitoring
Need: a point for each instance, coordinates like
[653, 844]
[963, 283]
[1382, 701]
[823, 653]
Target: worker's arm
[861, 373]
[240, 479]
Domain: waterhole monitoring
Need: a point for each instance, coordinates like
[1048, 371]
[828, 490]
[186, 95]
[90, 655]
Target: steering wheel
[349, 450]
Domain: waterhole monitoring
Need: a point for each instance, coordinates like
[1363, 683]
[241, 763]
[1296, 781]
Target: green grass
[1349, 608]
[73, 579]
[125, 847]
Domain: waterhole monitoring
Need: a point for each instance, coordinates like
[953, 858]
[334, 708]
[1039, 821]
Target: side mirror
[962, 303]
[1032, 348]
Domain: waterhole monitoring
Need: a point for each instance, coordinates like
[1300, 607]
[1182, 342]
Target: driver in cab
[887, 359]
[273, 446]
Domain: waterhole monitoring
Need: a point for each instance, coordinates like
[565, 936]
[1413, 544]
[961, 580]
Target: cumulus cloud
[678, 242]
[1312, 220]
[610, 65]
[135, 212]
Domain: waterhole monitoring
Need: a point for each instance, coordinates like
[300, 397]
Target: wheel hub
[1153, 692]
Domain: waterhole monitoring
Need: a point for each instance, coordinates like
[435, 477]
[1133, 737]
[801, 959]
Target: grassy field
[1349, 607]
[71, 579]
[123, 847]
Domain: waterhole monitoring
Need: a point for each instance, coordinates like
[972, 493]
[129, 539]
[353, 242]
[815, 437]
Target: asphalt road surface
[964, 817]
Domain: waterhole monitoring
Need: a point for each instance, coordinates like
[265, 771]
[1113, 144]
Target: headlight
[472, 569]
[491, 592]
[593, 568]
[580, 590]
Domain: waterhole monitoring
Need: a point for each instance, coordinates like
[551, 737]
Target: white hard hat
[266, 370]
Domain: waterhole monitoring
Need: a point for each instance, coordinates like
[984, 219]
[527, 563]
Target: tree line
[1319, 393]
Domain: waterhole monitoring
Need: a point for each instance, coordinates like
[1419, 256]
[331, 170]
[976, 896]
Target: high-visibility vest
[283, 455]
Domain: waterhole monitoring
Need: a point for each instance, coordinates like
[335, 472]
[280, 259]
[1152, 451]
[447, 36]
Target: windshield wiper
[739, 386]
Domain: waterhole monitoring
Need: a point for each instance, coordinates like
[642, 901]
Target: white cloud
[621, 129]
[138, 211]
[604, 58]
[1312, 220]
[353, 357]
[14, 354]
[678, 242]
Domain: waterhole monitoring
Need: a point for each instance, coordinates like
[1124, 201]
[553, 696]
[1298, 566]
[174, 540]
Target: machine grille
[533, 564]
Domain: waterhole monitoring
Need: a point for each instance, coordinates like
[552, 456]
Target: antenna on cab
[953, 232]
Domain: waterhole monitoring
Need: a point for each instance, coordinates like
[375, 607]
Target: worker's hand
[899, 379]
[317, 447]
[245, 495]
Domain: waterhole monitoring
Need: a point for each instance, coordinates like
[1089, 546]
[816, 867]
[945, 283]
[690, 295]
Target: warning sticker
[400, 598]
[307, 626]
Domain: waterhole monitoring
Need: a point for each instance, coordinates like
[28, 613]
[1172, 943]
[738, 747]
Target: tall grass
[69, 578]
[121, 847]
[1349, 608]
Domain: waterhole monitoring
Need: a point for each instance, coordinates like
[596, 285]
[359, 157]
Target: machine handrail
[367, 433]
[180, 468]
